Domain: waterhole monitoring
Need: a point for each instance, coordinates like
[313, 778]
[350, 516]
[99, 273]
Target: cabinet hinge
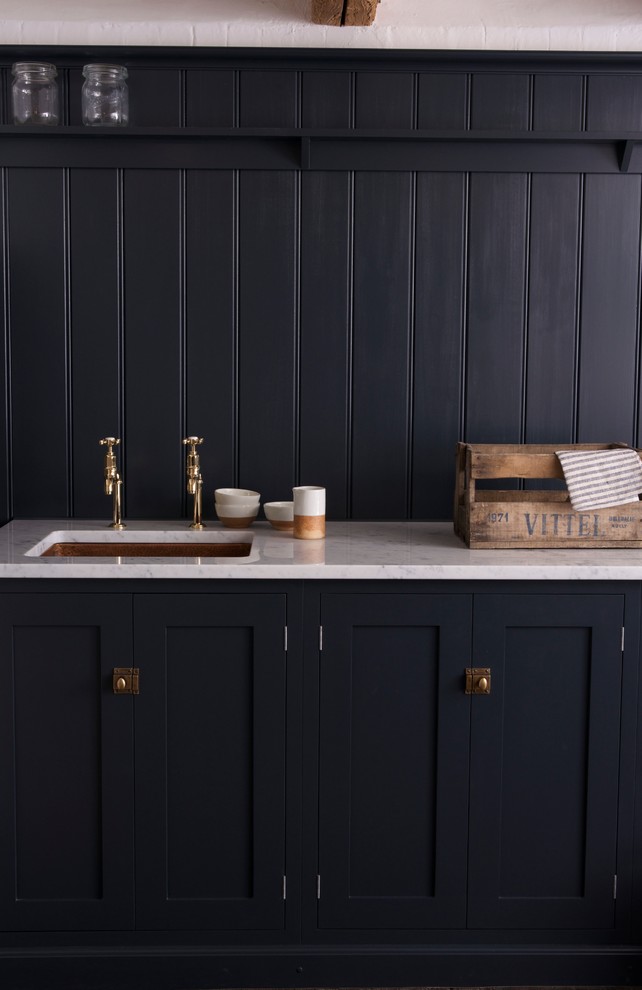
[320, 638]
[318, 887]
[285, 887]
[285, 639]
[622, 639]
[615, 887]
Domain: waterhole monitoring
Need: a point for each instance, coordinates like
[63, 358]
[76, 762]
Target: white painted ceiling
[493, 25]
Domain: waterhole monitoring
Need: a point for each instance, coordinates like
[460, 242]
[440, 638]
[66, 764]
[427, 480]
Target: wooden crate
[502, 519]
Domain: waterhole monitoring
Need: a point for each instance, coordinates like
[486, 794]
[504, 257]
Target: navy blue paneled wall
[343, 328]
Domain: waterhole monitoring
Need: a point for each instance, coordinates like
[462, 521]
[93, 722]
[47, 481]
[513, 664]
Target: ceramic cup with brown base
[309, 512]
[236, 507]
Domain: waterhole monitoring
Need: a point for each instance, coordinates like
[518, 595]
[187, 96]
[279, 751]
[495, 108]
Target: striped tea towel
[598, 478]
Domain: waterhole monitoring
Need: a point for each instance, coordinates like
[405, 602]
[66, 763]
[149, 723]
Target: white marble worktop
[351, 550]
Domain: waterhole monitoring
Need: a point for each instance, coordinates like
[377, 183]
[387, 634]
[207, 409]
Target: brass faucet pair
[114, 482]
[195, 480]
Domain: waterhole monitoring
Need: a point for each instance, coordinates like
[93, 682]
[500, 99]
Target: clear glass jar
[105, 98]
[34, 93]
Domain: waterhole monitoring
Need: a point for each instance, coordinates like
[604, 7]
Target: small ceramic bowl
[237, 516]
[280, 514]
[236, 496]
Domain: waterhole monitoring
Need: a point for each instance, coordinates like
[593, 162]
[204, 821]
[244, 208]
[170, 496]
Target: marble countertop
[351, 550]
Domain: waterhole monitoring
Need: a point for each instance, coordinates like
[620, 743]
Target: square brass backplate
[477, 680]
[125, 680]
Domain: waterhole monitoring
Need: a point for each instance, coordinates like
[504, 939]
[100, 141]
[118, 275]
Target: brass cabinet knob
[477, 680]
[126, 680]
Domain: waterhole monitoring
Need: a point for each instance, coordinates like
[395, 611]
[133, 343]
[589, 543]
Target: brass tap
[113, 481]
[195, 480]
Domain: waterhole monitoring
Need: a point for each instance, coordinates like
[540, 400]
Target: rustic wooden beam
[327, 12]
[359, 12]
[348, 12]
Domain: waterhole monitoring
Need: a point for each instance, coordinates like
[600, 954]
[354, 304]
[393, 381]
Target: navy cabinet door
[544, 761]
[210, 761]
[66, 775]
[394, 726]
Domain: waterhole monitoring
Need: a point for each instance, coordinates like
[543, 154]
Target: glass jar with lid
[34, 93]
[105, 98]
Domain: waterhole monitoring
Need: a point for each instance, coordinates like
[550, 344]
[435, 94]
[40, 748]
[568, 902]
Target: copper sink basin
[123, 549]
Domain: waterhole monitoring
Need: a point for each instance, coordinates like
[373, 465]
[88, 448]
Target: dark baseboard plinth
[204, 968]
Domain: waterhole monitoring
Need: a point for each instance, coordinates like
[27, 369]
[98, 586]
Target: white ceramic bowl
[280, 514]
[236, 496]
[237, 516]
[235, 511]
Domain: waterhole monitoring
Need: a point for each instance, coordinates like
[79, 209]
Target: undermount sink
[142, 543]
[147, 550]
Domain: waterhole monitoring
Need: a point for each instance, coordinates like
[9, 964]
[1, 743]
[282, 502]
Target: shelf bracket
[625, 152]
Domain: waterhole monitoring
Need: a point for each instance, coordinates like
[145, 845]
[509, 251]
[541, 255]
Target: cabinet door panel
[544, 761]
[393, 761]
[66, 816]
[210, 774]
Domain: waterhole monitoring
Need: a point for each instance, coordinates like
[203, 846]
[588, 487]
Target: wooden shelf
[333, 150]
